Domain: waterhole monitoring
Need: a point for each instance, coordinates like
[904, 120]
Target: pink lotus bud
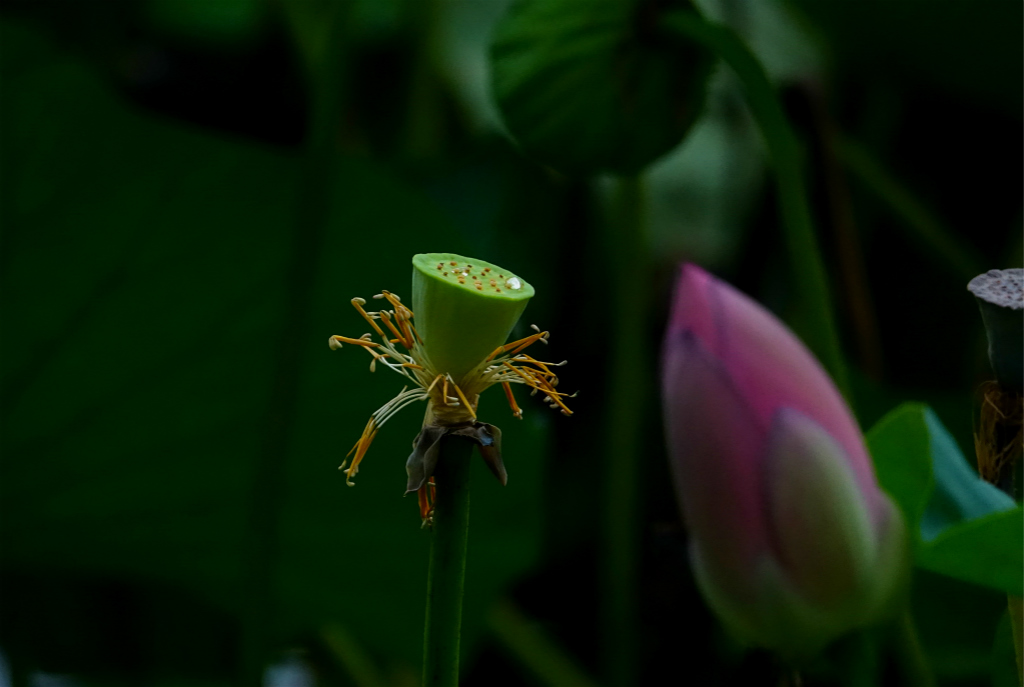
[792, 541]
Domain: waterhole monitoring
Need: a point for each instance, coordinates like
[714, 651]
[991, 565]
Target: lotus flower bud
[792, 541]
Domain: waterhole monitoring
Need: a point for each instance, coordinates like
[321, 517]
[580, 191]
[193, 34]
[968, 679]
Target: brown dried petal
[423, 460]
[427, 445]
[488, 438]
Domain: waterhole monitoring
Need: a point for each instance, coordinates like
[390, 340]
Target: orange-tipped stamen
[434, 383]
[521, 343]
[404, 326]
[386, 319]
[462, 397]
[533, 380]
[369, 432]
[516, 410]
[414, 332]
[424, 500]
[354, 342]
[357, 303]
[396, 302]
[528, 341]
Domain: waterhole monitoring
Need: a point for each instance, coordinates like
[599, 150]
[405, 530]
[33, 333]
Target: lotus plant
[792, 542]
[449, 352]
[456, 349]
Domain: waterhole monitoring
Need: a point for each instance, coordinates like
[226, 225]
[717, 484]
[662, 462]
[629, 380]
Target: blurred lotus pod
[792, 542]
[1000, 295]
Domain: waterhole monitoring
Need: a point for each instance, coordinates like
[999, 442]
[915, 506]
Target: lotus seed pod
[1000, 295]
[465, 309]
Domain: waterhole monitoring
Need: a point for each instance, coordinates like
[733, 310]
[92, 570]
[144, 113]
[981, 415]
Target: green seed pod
[465, 309]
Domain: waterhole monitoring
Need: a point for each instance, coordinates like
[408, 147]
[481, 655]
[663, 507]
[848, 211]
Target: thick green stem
[817, 324]
[447, 571]
[626, 251]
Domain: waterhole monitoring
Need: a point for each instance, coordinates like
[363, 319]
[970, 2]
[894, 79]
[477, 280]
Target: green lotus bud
[465, 309]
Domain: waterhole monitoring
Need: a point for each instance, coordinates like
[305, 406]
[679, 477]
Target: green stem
[1016, 607]
[817, 326]
[857, 658]
[625, 248]
[913, 665]
[447, 570]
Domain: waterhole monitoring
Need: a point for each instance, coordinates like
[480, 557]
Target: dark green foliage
[143, 296]
[964, 527]
[589, 86]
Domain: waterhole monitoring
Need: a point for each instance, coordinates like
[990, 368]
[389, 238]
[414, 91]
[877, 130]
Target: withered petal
[488, 437]
[423, 459]
[427, 445]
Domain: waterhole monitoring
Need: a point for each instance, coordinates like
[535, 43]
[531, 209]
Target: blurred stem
[854, 278]
[913, 665]
[422, 130]
[447, 571]
[817, 326]
[1016, 607]
[625, 250]
[921, 224]
[313, 203]
[856, 657]
[350, 656]
[527, 642]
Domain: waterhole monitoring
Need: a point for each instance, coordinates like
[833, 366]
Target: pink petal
[715, 446]
[769, 365]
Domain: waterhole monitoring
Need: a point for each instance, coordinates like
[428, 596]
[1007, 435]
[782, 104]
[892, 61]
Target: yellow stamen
[369, 432]
[386, 318]
[434, 383]
[521, 343]
[534, 380]
[539, 336]
[516, 410]
[354, 342]
[358, 303]
[395, 302]
[463, 399]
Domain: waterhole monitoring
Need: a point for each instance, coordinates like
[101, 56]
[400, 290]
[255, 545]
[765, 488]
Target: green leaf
[899, 447]
[985, 550]
[964, 527]
[589, 85]
[959, 493]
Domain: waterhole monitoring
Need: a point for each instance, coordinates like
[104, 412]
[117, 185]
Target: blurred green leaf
[143, 289]
[213, 21]
[959, 494]
[590, 85]
[898, 445]
[964, 527]
[986, 550]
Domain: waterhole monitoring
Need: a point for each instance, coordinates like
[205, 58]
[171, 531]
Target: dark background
[172, 259]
